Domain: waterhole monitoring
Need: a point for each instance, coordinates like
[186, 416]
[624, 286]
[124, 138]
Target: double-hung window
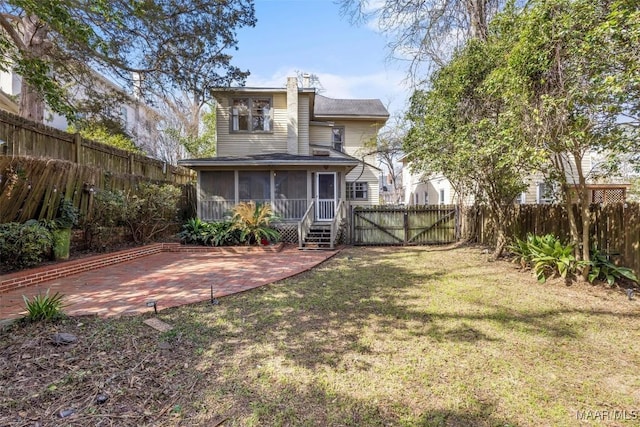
[357, 190]
[546, 193]
[251, 114]
[337, 138]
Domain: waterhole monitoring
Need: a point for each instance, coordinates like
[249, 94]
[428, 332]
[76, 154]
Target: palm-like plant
[253, 220]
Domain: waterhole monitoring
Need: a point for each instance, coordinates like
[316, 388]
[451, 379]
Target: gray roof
[272, 159]
[363, 108]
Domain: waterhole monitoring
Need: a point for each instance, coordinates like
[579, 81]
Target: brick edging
[37, 275]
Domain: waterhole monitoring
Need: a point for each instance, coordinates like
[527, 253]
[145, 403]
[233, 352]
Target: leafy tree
[562, 75]
[462, 129]
[154, 46]
[106, 132]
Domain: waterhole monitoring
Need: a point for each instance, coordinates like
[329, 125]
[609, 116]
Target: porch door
[326, 194]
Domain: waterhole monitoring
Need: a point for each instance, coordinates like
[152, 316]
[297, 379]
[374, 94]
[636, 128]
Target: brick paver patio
[170, 278]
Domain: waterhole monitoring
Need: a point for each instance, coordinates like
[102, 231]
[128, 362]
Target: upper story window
[337, 139]
[125, 116]
[251, 114]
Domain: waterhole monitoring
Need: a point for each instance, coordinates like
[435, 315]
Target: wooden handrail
[305, 223]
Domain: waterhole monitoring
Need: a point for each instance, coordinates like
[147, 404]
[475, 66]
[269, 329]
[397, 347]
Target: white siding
[320, 135]
[303, 125]
[357, 133]
[370, 175]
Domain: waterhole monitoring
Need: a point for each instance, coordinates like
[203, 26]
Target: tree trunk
[501, 242]
[477, 10]
[583, 197]
[500, 215]
[31, 103]
[34, 38]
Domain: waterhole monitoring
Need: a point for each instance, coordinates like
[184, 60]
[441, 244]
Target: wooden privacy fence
[23, 138]
[32, 188]
[421, 225]
[39, 165]
[615, 228]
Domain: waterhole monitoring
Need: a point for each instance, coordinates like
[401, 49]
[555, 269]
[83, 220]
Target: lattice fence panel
[608, 195]
[288, 232]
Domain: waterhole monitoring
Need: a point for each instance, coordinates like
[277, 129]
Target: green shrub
[225, 234]
[194, 231]
[45, 307]
[151, 210]
[107, 213]
[521, 252]
[252, 220]
[547, 256]
[108, 209]
[198, 232]
[602, 268]
[68, 214]
[24, 245]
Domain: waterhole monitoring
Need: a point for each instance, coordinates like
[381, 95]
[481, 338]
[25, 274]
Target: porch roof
[271, 159]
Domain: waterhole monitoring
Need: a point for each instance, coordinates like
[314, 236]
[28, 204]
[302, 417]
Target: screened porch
[287, 191]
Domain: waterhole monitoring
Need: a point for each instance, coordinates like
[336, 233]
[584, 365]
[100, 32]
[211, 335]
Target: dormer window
[251, 115]
[338, 139]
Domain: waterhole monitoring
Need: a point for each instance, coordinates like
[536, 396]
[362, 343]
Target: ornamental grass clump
[44, 307]
[253, 221]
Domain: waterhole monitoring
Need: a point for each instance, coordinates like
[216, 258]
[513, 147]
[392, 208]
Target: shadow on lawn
[315, 405]
[317, 317]
[319, 320]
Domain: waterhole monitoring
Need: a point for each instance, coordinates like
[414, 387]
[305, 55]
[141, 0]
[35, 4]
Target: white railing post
[305, 224]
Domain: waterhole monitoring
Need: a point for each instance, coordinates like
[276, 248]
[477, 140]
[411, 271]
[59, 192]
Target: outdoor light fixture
[88, 187]
[630, 294]
[153, 304]
[214, 301]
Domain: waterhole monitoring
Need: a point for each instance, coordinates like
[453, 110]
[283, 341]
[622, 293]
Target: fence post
[405, 225]
[352, 225]
[130, 163]
[77, 142]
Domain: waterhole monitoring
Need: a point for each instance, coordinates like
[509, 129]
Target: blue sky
[311, 36]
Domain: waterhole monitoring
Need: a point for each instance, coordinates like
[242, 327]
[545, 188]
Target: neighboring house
[292, 148]
[139, 119]
[422, 189]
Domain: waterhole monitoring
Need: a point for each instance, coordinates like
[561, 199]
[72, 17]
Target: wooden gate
[421, 225]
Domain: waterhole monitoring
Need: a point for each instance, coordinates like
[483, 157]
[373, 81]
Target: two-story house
[292, 148]
[139, 119]
[431, 189]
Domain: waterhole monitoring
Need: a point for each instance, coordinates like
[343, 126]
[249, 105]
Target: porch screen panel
[217, 194]
[290, 194]
[254, 185]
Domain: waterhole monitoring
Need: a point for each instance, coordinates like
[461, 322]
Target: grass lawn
[373, 337]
